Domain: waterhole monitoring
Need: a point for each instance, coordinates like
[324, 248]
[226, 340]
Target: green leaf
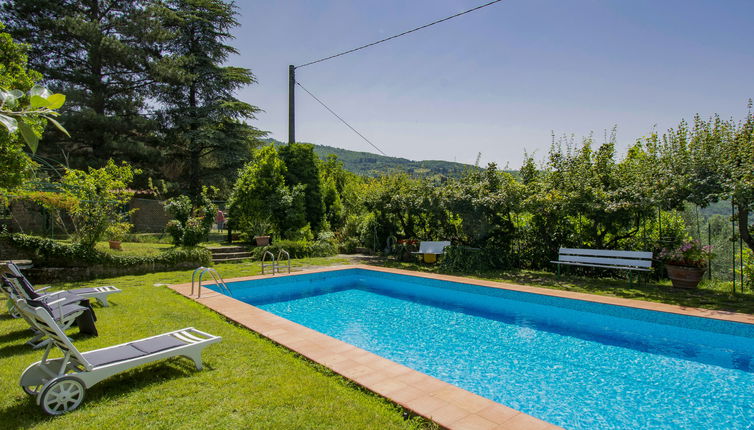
[57, 124]
[8, 98]
[56, 101]
[38, 102]
[40, 91]
[29, 136]
[10, 123]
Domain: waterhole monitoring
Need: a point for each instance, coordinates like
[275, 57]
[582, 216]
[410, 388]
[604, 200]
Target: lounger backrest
[22, 286]
[43, 320]
[13, 267]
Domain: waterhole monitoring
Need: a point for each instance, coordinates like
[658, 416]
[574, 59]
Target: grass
[709, 295]
[248, 381]
[134, 249]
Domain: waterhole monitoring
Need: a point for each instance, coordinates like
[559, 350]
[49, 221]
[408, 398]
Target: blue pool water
[577, 364]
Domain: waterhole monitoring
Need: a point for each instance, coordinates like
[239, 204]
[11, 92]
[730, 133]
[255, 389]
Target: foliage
[118, 230]
[322, 247]
[464, 259]
[691, 254]
[15, 165]
[193, 221]
[15, 116]
[175, 229]
[179, 207]
[54, 253]
[302, 169]
[261, 195]
[101, 196]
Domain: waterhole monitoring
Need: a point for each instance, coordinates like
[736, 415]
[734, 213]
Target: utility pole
[291, 104]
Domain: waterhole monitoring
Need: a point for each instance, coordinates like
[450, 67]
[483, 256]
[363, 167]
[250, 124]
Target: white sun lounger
[64, 313]
[98, 293]
[59, 384]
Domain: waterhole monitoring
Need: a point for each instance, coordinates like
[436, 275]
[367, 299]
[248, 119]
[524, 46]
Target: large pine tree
[205, 136]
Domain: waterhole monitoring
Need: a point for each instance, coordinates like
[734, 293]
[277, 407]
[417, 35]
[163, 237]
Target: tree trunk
[743, 226]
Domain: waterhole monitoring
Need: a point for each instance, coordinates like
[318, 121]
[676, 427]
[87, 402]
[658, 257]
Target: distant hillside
[368, 164]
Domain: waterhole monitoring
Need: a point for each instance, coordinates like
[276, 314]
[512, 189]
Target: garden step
[231, 254]
[223, 249]
[225, 260]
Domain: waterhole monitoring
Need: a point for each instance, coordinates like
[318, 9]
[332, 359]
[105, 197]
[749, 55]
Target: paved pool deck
[449, 406]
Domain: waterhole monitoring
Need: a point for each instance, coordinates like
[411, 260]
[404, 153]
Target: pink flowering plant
[690, 254]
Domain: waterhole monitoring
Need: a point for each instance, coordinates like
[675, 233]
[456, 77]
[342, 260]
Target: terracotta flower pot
[684, 276]
[262, 240]
[114, 244]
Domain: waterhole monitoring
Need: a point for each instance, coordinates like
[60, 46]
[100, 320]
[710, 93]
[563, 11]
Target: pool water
[577, 364]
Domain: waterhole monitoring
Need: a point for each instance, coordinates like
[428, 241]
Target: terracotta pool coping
[447, 405]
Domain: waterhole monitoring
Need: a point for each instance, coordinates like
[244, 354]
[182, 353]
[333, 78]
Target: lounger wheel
[62, 395]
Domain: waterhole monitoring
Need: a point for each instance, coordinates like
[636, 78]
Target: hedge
[297, 248]
[49, 252]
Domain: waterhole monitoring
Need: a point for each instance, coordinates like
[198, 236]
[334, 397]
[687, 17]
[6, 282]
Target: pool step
[229, 253]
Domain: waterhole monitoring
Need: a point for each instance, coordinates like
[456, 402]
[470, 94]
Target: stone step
[225, 260]
[224, 249]
[231, 254]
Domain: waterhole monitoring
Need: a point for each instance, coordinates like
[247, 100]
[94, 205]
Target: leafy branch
[42, 104]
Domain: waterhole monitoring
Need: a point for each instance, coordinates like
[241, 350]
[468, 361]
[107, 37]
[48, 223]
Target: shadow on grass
[25, 413]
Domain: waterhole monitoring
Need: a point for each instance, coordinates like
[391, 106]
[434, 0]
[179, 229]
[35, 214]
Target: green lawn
[709, 295]
[248, 381]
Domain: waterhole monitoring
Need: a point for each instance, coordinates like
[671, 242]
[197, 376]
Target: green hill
[368, 164]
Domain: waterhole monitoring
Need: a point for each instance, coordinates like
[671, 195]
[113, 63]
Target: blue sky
[500, 80]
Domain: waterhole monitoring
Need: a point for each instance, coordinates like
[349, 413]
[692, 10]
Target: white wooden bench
[631, 261]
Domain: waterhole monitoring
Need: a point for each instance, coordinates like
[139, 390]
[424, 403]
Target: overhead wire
[399, 35]
[377, 43]
[340, 118]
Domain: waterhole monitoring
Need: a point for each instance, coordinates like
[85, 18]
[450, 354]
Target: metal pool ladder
[219, 281]
[274, 263]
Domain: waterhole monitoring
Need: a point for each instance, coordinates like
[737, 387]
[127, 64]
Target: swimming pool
[577, 364]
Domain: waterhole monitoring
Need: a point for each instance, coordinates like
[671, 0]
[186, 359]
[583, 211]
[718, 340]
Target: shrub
[175, 229]
[194, 232]
[100, 195]
[49, 252]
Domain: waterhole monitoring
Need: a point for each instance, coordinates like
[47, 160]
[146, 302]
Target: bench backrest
[433, 247]
[606, 257]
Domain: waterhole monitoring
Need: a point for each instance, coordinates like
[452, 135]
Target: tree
[100, 196]
[260, 197]
[302, 168]
[204, 133]
[100, 53]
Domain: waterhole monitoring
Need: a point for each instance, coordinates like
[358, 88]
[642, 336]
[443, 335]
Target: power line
[399, 35]
[341, 119]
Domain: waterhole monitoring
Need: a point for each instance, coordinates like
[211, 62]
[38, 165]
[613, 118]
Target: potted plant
[116, 233]
[260, 231]
[686, 263]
